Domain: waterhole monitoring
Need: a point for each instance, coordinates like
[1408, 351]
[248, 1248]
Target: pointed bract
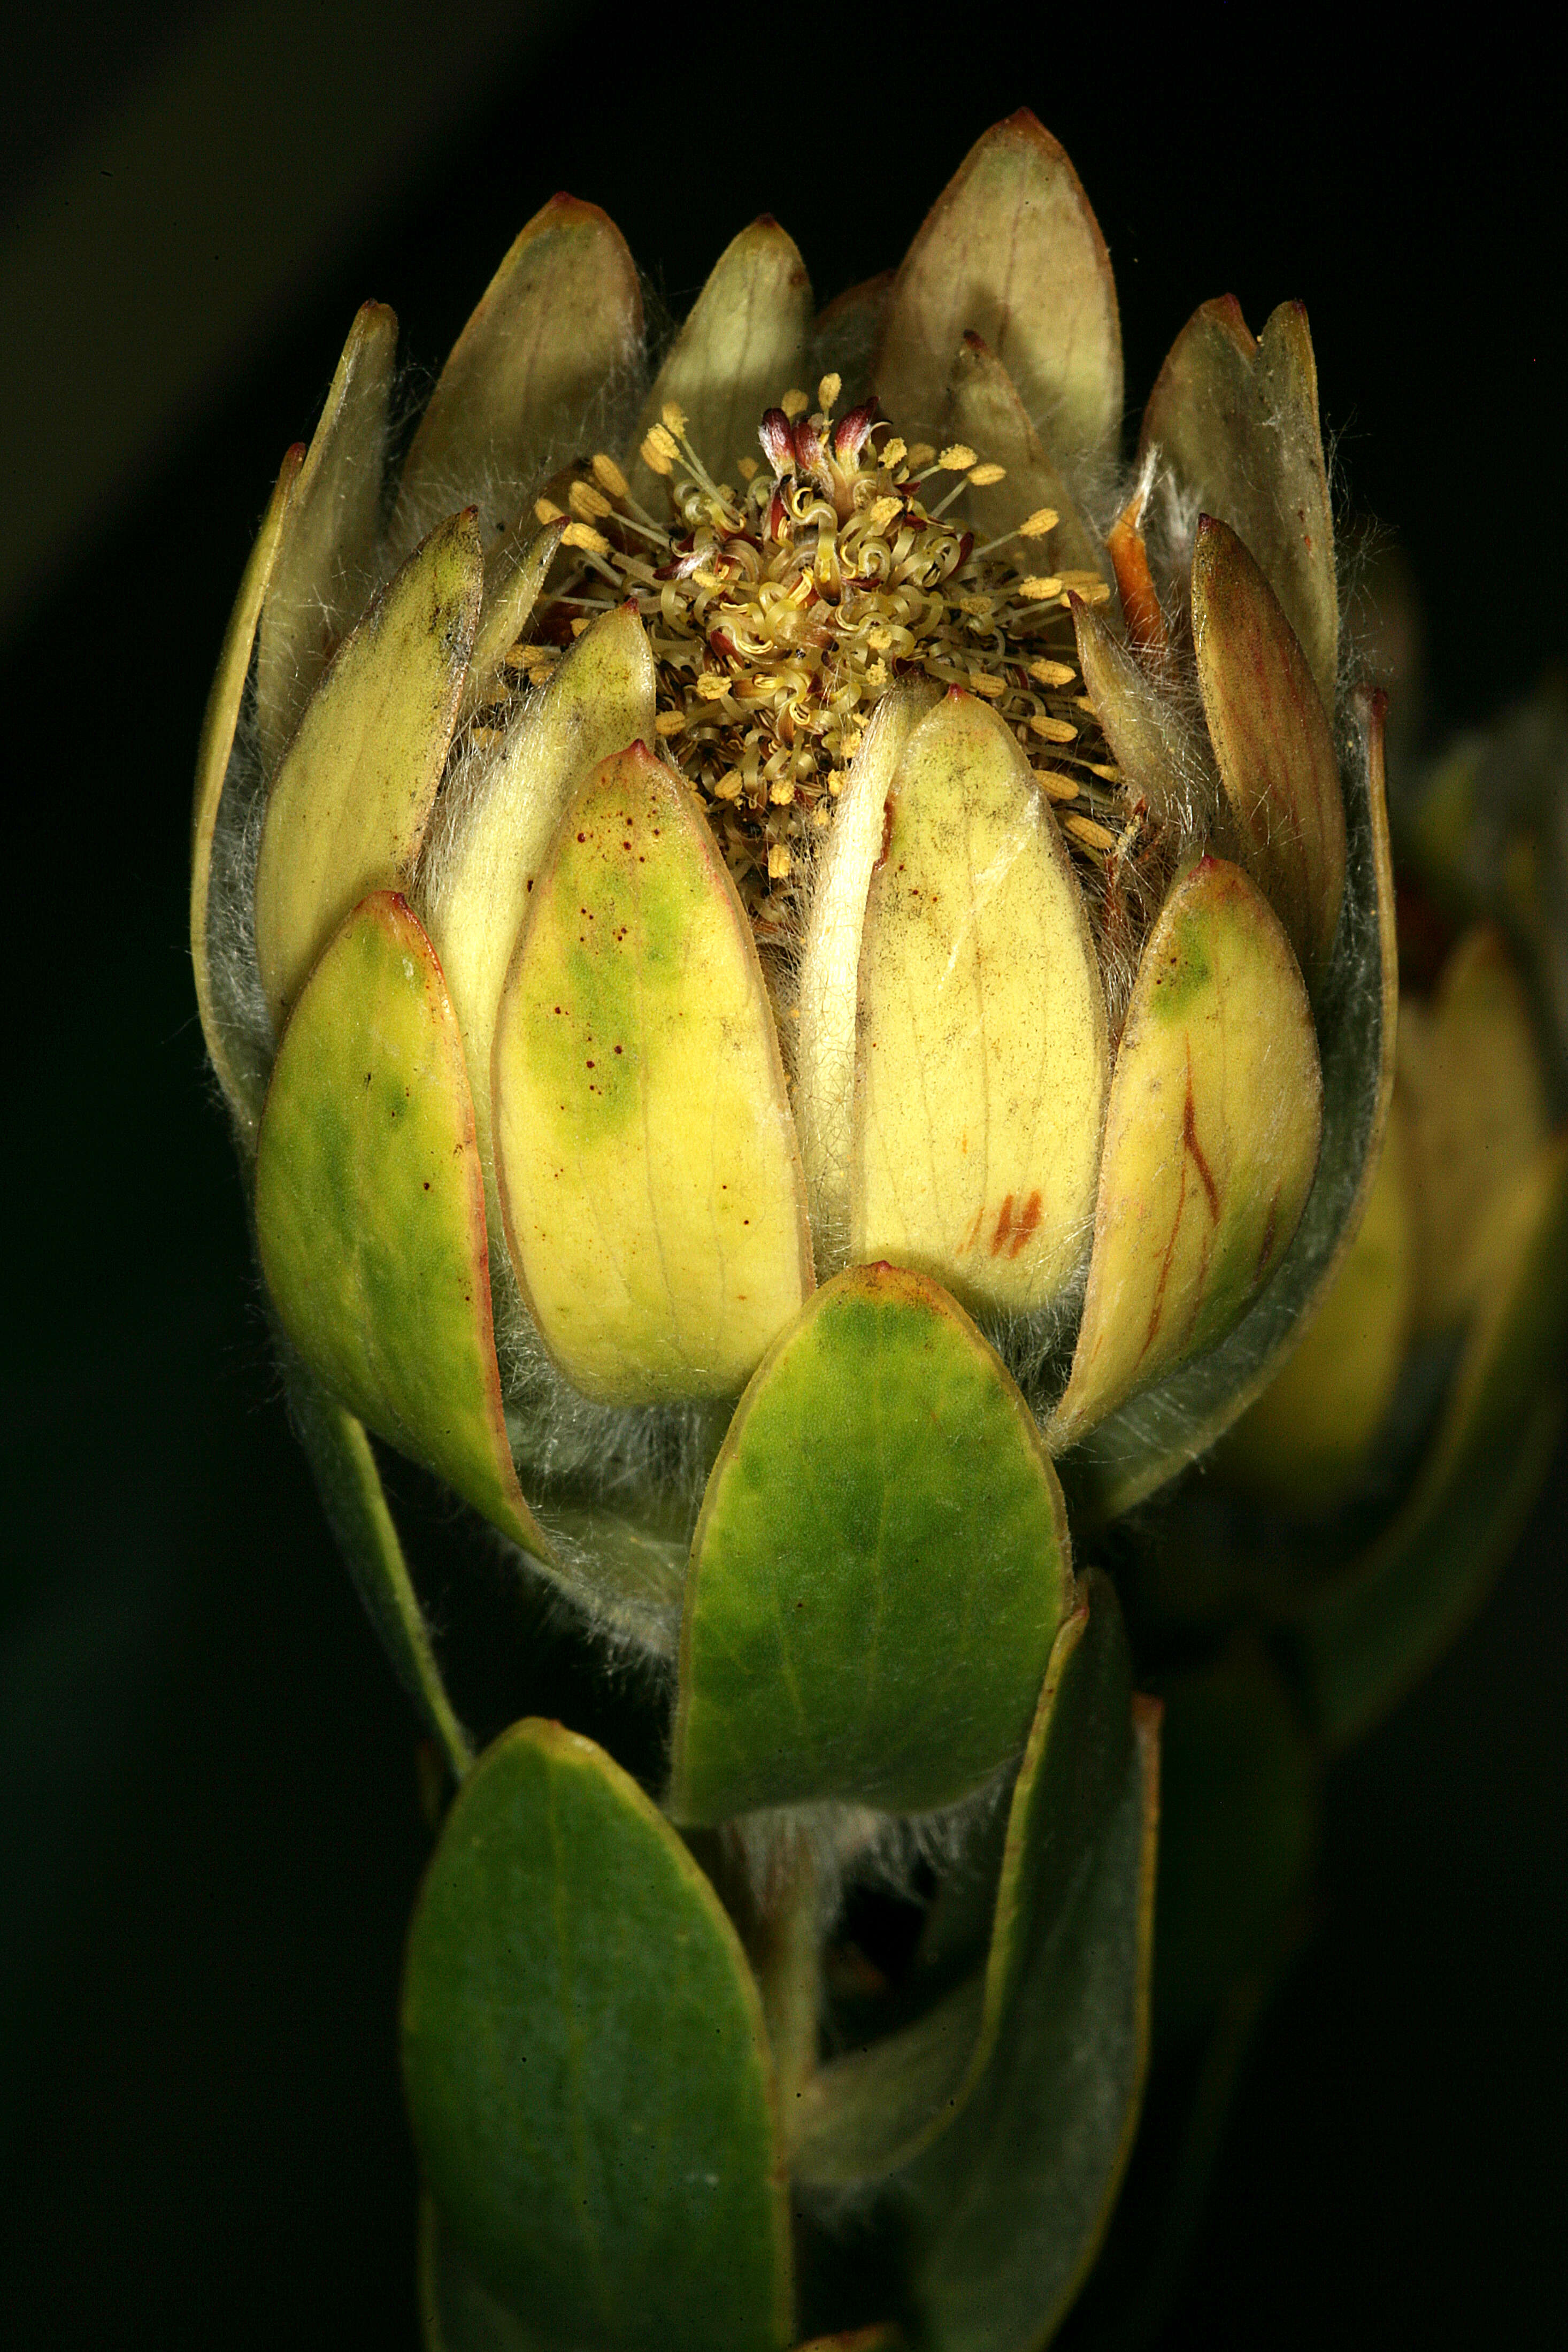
[348, 808]
[981, 1053]
[1162, 756]
[742, 347]
[1235, 421]
[243, 1087]
[1012, 250]
[647, 1165]
[1211, 1142]
[326, 561]
[985, 411]
[1273, 744]
[370, 1210]
[825, 1058]
[561, 319]
[495, 830]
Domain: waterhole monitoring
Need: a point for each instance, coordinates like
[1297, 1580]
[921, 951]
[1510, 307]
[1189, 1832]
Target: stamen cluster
[779, 612]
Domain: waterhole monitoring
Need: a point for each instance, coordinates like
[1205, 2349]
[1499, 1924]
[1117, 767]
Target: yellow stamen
[1036, 526]
[1053, 673]
[794, 404]
[660, 449]
[984, 476]
[779, 861]
[1040, 590]
[547, 512]
[957, 458]
[674, 418]
[1054, 730]
[1093, 836]
[589, 504]
[827, 392]
[583, 535]
[610, 476]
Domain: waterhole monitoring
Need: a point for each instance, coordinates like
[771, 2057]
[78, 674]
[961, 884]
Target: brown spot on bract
[1028, 1223]
[973, 1235]
[1003, 1226]
[1190, 1139]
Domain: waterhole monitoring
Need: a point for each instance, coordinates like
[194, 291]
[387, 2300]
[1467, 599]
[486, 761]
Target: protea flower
[788, 951]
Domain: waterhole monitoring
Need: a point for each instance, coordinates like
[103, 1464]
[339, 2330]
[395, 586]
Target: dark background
[209, 1832]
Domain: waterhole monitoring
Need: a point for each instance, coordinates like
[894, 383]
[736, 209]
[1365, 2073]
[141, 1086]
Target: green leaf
[356, 1508]
[586, 2065]
[370, 1210]
[1374, 1632]
[879, 1568]
[867, 2114]
[1008, 2210]
[1137, 1449]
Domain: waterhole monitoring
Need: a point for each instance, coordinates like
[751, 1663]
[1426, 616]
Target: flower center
[779, 612]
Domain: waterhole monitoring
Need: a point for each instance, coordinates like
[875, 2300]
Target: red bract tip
[777, 440]
[850, 434]
[807, 446]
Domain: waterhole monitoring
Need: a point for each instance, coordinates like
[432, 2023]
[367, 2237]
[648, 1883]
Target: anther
[610, 476]
[827, 392]
[794, 404]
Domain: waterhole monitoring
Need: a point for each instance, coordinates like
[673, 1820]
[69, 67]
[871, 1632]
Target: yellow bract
[649, 1172]
[824, 1061]
[1211, 1142]
[1273, 744]
[348, 809]
[986, 409]
[743, 345]
[1236, 421]
[370, 1212]
[1164, 760]
[243, 1089]
[1470, 1073]
[486, 853]
[562, 316]
[1302, 1445]
[324, 572]
[981, 1059]
[1010, 249]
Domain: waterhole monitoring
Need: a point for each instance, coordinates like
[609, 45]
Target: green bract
[801, 984]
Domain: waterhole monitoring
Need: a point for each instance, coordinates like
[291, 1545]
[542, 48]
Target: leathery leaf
[1008, 2210]
[586, 2065]
[879, 1567]
[645, 1156]
[369, 1209]
[1211, 1142]
[870, 2111]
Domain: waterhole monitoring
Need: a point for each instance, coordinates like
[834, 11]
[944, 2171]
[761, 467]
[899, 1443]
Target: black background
[207, 1802]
